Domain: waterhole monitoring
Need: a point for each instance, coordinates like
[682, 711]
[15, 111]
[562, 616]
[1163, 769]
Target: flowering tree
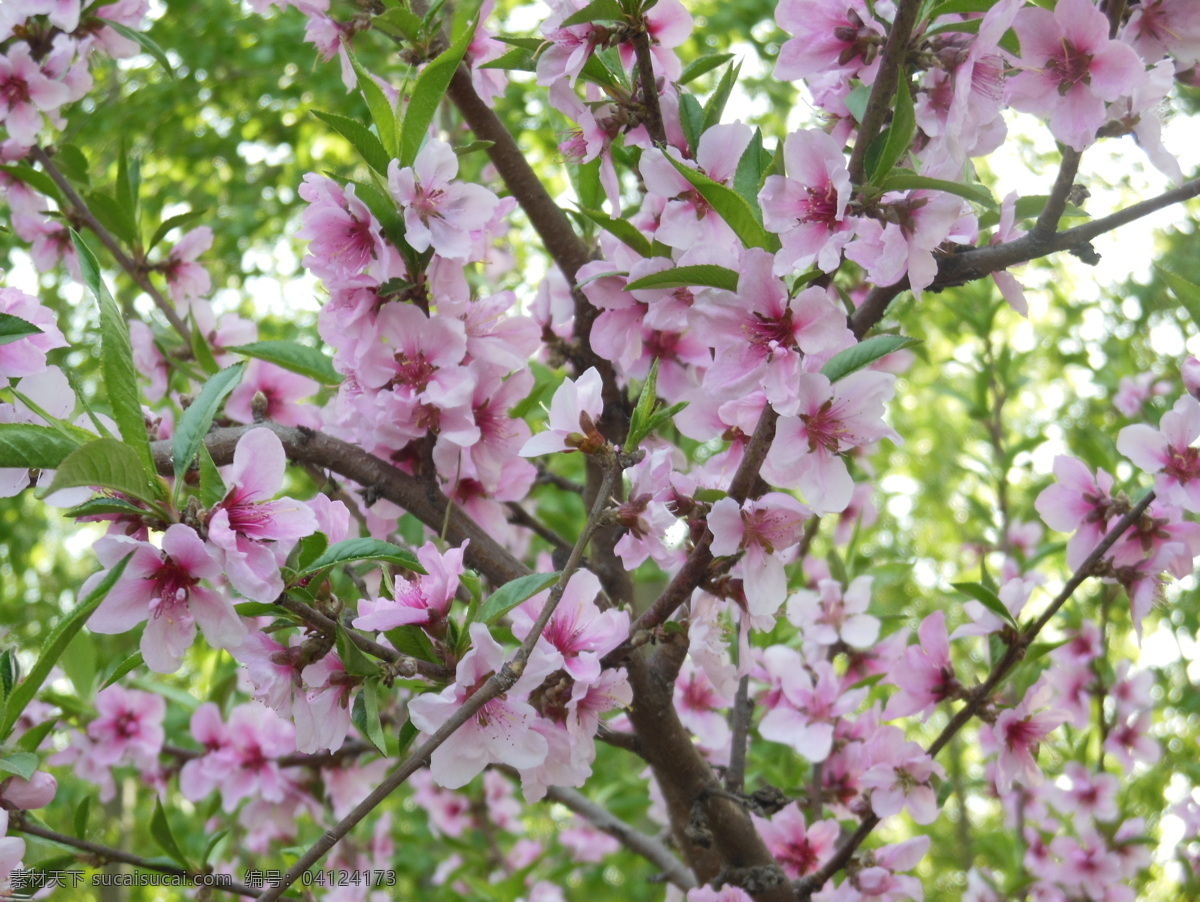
[671, 488]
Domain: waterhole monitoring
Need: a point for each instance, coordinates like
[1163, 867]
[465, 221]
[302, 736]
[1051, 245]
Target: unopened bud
[1191, 376]
[36, 792]
[258, 407]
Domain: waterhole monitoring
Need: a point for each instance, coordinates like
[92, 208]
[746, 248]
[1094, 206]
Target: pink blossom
[824, 421]
[1087, 794]
[437, 212]
[798, 848]
[578, 630]
[926, 677]
[129, 726]
[920, 223]
[27, 356]
[828, 36]
[1019, 731]
[250, 530]
[344, 237]
[1070, 67]
[831, 615]
[801, 711]
[500, 732]
[698, 704]
[761, 527]
[257, 736]
[26, 93]
[1129, 741]
[899, 777]
[574, 411]
[1167, 452]
[322, 719]
[164, 587]
[283, 390]
[186, 279]
[1077, 501]
[423, 599]
[1158, 28]
[807, 208]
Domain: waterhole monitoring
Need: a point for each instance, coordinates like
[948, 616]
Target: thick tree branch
[981, 694]
[20, 823]
[891, 65]
[739, 727]
[83, 213]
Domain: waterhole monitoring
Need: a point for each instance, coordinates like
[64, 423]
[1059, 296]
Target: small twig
[19, 822]
[127, 263]
[739, 717]
[645, 67]
[884, 89]
[1056, 203]
[518, 516]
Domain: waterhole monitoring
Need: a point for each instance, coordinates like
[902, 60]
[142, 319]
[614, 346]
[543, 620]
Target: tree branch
[735, 774]
[1056, 203]
[19, 822]
[84, 214]
[645, 69]
[884, 89]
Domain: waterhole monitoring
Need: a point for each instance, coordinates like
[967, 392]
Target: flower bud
[1191, 376]
[36, 792]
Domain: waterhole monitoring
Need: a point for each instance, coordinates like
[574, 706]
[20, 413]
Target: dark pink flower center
[171, 587]
[1069, 67]
[770, 334]
[1184, 464]
[821, 205]
[426, 203]
[358, 242]
[414, 372]
[127, 725]
[824, 429]
[1021, 734]
[14, 91]
[801, 855]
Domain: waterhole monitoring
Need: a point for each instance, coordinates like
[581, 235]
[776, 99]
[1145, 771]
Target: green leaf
[13, 328]
[200, 349]
[211, 846]
[167, 224]
[382, 113]
[701, 65]
[752, 171]
[716, 103]
[129, 178]
[474, 146]
[585, 179]
[71, 162]
[513, 593]
[369, 147]
[645, 406]
[80, 820]
[212, 486]
[408, 732]
[427, 93]
[310, 548]
[146, 43]
[23, 764]
[8, 672]
[898, 136]
[194, 423]
[105, 463]
[516, 60]
[661, 416]
[412, 641]
[1041, 649]
[34, 178]
[98, 506]
[706, 274]
[160, 830]
[257, 609]
[32, 738]
[130, 664]
[291, 355]
[113, 215]
[399, 22]
[909, 181]
[120, 374]
[622, 229]
[365, 715]
[863, 354]
[356, 663]
[1187, 293]
[730, 206]
[53, 646]
[691, 118]
[597, 10]
[363, 550]
[988, 599]
[27, 445]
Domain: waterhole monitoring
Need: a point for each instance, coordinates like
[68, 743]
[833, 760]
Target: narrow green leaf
[661, 416]
[130, 664]
[80, 821]
[212, 486]
[474, 146]
[106, 464]
[72, 163]
[194, 423]
[31, 446]
[988, 599]
[31, 739]
[98, 506]
[716, 103]
[1041, 649]
[382, 113]
[513, 593]
[374, 731]
[54, 645]
[363, 550]
[645, 406]
[147, 44]
[597, 10]
[257, 609]
[863, 354]
[909, 181]
[34, 178]
[160, 830]
[704, 274]
[8, 672]
[211, 846]
[310, 548]
[167, 224]
[13, 328]
[899, 134]
[120, 374]
[356, 663]
[621, 229]
[1187, 293]
[585, 179]
[731, 207]
[22, 764]
[291, 355]
[516, 60]
[427, 93]
[751, 171]
[128, 183]
[361, 138]
[399, 22]
[701, 65]
[200, 349]
[113, 215]
[691, 117]
[412, 641]
[408, 732]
